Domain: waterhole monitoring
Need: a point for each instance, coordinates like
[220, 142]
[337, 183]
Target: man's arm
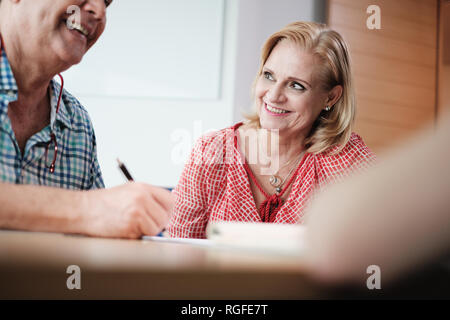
[127, 211]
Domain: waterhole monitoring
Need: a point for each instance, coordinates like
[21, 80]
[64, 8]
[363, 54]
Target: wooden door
[394, 67]
[444, 59]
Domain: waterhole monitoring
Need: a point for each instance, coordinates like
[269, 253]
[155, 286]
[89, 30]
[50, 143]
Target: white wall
[151, 133]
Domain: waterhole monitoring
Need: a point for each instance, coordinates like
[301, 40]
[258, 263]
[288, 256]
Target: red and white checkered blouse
[214, 185]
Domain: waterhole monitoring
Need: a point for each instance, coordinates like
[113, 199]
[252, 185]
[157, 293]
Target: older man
[46, 136]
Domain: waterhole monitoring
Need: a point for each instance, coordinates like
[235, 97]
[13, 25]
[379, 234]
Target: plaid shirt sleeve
[78, 166]
[96, 174]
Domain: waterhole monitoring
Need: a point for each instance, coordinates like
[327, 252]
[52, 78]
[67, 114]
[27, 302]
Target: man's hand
[128, 211]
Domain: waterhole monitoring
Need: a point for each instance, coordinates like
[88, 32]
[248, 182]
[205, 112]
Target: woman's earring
[327, 108]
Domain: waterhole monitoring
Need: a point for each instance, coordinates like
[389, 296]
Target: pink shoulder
[355, 156]
[357, 148]
[211, 147]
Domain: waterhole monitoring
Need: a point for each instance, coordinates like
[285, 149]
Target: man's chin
[69, 59]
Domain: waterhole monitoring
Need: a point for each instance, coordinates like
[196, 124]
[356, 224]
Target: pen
[127, 175]
[124, 170]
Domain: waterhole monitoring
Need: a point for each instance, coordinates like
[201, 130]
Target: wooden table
[33, 266]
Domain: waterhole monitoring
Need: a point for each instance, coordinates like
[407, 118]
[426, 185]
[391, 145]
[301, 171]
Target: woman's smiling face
[287, 95]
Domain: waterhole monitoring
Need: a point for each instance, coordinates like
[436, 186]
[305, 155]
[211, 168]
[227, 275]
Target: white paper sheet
[201, 242]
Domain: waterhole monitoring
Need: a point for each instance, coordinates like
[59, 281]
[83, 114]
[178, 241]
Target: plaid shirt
[76, 164]
[214, 185]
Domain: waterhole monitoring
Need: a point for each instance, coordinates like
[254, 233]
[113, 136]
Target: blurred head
[304, 69]
[38, 30]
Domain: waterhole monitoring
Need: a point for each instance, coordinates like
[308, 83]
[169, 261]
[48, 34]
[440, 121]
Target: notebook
[265, 237]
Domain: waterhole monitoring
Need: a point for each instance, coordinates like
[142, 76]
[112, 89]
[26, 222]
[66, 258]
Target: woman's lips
[275, 111]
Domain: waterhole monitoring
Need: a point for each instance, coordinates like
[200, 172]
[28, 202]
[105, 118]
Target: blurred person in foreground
[305, 105]
[396, 216]
[47, 143]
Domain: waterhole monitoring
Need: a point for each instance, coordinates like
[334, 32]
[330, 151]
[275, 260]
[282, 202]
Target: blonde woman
[305, 107]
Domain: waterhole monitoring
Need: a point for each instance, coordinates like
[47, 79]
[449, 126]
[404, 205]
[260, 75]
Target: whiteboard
[155, 49]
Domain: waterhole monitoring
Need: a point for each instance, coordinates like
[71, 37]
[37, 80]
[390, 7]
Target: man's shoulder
[78, 114]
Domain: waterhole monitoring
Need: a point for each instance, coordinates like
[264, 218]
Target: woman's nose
[276, 94]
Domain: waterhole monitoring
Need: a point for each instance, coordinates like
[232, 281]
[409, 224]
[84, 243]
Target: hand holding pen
[128, 176]
[124, 170]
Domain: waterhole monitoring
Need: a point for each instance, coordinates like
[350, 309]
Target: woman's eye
[268, 75]
[297, 86]
[108, 2]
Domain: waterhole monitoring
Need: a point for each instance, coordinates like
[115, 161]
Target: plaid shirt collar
[9, 91]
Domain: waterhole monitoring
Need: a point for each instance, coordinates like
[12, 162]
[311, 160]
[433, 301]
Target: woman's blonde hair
[334, 127]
